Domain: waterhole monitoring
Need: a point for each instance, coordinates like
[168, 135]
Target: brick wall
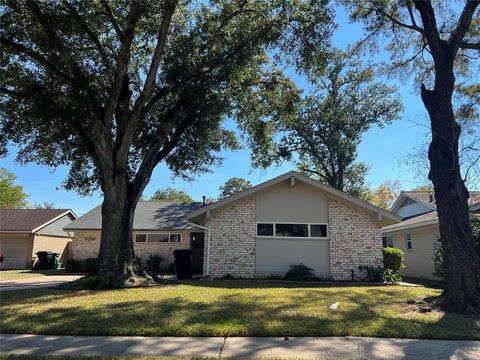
[86, 244]
[355, 239]
[232, 246]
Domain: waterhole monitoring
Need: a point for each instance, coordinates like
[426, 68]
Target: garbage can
[44, 260]
[55, 261]
[183, 263]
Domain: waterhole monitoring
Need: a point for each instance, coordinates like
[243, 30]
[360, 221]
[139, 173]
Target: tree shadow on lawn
[236, 314]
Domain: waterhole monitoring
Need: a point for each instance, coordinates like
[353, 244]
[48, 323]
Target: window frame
[387, 241]
[157, 233]
[408, 239]
[291, 237]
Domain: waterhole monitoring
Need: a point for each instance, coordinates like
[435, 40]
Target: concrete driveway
[36, 282]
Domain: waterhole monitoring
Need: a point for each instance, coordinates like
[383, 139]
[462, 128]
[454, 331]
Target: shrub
[389, 276]
[73, 266]
[372, 273]
[154, 263]
[89, 265]
[393, 259]
[300, 272]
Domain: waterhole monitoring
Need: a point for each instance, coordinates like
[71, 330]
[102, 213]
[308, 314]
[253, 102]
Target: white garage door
[276, 255]
[16, 252]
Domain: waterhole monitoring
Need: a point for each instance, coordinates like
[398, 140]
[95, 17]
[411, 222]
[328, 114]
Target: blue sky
[382, 149]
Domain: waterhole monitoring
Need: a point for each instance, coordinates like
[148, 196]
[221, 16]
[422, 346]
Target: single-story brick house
[24, 232]
[259, 232]
[159, 228]
[418, 232]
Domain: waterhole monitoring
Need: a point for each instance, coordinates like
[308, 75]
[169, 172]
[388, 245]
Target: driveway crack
[221, 347]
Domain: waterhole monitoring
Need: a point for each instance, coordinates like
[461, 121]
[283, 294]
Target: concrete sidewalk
[36, 282]
[243, 347]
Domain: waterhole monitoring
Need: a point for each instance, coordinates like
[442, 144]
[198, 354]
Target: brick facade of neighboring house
[86, 244]
[355, 240]
[232, 248]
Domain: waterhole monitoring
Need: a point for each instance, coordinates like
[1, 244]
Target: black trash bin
[44, 260]
[183, 263]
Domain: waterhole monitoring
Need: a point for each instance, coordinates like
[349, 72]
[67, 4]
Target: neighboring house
[159, 228]
[418, 232]
[291, 219]
[24, 232]
[259, 232]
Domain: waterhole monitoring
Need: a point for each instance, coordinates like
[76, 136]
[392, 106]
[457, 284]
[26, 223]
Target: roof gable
[297, 176]
[30, 220]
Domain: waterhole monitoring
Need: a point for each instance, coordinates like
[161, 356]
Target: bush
[97, 282]
[393, 259]
[390, 276]
[372, 273]
[300, 272]
[73, 266]
[89, 265]
[154, 263]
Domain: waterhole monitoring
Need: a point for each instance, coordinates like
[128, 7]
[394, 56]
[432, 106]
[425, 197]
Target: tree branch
[114, 22]
[430, 29]
[469, 46]
[89, 32]
[37, 57]
[463, 25]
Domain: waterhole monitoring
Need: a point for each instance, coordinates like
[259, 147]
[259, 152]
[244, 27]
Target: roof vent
[204, 200]
[431, 198]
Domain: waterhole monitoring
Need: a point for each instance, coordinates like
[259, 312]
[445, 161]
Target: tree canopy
[11, 194]
[322, 138]
[171, 194]
[384, 195]
[233, 186]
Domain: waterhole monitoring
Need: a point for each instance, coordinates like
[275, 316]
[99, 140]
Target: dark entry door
[197, 244]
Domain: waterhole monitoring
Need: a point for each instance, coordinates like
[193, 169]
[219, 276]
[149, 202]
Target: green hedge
[393, 259]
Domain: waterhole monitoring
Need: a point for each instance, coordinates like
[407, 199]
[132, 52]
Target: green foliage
[11, 195]
[73, 266]
[393, 259]
[384, 195]
[233, 186]
[57, 95]
[390, 276]
[154, 263]
[300, 272]
[372, 273]
[476, 234]
[103, 281]
[171, 194]
[88, 266]
[322, 137]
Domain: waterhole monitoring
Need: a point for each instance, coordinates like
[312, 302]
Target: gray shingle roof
[27, 219]
[428, 197]
[149, 215]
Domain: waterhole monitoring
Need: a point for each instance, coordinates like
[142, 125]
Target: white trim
[403, 196]
[328, 189]
[55, 219]
[274, 223]
[135, 233]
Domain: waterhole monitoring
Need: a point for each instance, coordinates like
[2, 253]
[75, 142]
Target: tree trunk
[116, 247]
[462, 267]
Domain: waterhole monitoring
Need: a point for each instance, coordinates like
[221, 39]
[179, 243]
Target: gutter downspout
[209, 236]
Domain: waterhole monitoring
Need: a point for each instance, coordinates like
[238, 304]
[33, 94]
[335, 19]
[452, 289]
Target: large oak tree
[438, 43]
[114, 87]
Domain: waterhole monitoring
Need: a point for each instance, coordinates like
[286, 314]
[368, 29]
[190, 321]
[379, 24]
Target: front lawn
[232, 308]
[25, 274]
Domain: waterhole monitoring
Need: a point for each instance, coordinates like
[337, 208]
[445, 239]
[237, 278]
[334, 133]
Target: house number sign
[89, 238]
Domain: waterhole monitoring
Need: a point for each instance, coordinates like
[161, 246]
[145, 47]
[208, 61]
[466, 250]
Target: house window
[318, 230]
[387, 241]
[408, 239]
[158, 238]
[264, 229]
[292, 230]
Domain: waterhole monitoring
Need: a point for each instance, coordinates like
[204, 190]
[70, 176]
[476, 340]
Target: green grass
[25, 274]
[232, 308]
